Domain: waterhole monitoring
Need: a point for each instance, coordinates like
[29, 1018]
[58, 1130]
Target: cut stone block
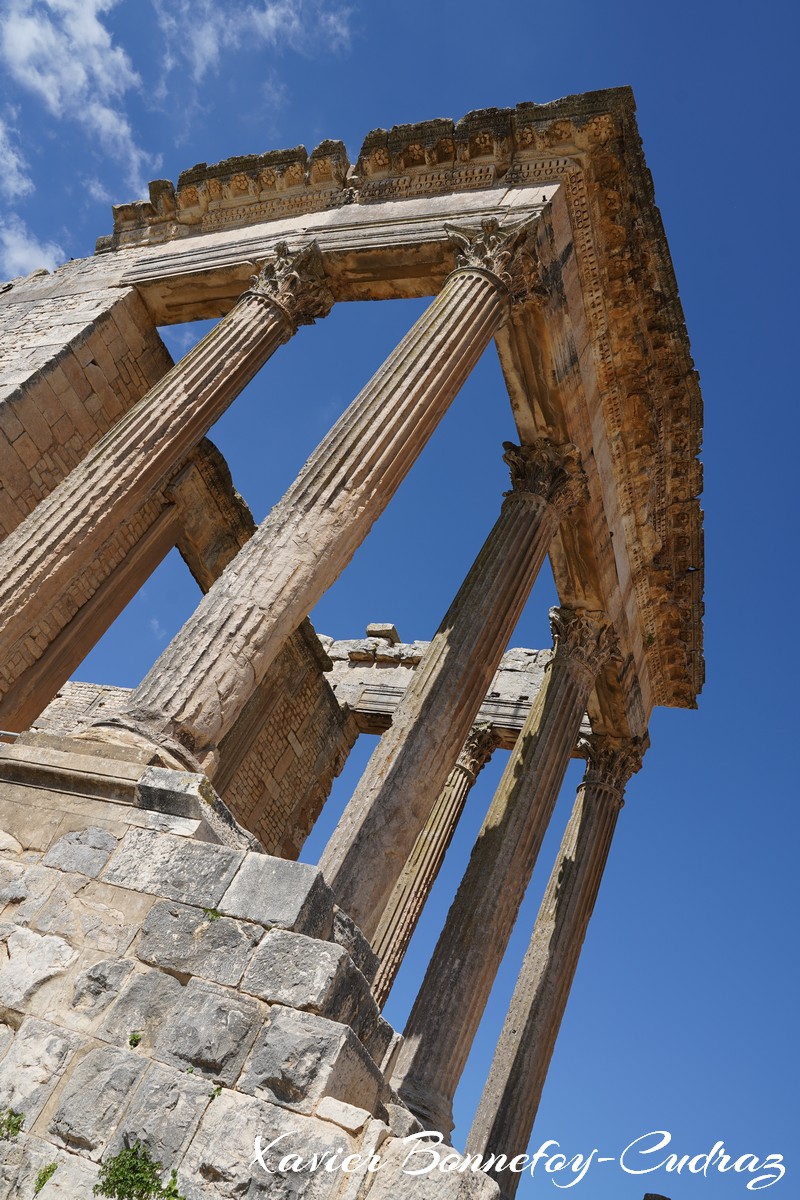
[33, 1066]
[163, 1114]
[93, 1097]
[298, 1058]
[346, 1116]
[99, 984]
[211, 1032]
[178, 868]
[181, 938]
[32, 959]
[86, 851]
[346, 933]
[276, 892]
[147, 999]
[220, 1163]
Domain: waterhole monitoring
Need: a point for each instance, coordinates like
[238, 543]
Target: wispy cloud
[198, 32]
[14, 178]
[61, 51]
[21, 252]
[157, 629]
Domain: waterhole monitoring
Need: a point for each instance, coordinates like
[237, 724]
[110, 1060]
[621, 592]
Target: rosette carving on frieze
[584, 636]
[296, 281]
[551, 471]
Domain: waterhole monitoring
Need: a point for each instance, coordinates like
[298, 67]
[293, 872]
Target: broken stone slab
[220, 1163]
[195, 941]
[174, 867]
[346, 1116]
[163, 1115]
[190, 794]
[9, 844]
[277, 892]
[146, 1001]
[346, 933]
[32, 959]
[33, 1066]
[320, 977]
[210, 1032]
[299, 1057]
[93, 1097]
[99, 984]
[89, 914]
[86, 851]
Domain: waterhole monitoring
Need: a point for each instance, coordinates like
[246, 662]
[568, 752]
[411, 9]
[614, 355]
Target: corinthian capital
[488, 247]
[552, 472]
[585, 639]
[477, 750]
[610, 761]
[296, 282]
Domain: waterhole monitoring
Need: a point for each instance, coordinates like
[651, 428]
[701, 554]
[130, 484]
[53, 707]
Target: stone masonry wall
[184, 994]
[75, 354]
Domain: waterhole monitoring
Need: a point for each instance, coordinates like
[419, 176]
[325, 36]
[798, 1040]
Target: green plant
[11, 1123]
[217, 1091]
[133, 1175]
[212, 914]
[42, 1177]
[134, 1039]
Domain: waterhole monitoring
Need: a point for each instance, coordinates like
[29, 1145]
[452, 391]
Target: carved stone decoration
[296, 282]
[478, 748]
[547, 470]
[611, 761]
[489, 248]
[585, 639]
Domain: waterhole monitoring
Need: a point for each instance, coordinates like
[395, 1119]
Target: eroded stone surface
[210, 1031]
[31, 960]
[273, 892]
[145, 1002]
[92, 1098]
[178, 868]
[33, 1066]
[163, 1114]
[86, 851]
[197, 942]
[98, 985]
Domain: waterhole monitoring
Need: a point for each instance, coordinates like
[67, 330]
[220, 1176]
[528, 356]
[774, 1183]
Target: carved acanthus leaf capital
[549, 471]
[489, 247]
[296, 282]
[478, 748]
[585, 638]
[610, 761]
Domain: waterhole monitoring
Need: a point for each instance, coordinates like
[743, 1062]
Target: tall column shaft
[451, 1001]
[51, 547]
[410, 765]
[508, 1106]
[199, 685]
[402, 913]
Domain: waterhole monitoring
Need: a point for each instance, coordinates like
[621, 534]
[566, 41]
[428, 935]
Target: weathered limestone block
[9, 844]
[274, 892]
[22, 1159]
[299, 1057]
[99, 984]
[219, 1163]
[87, 914]
[346, 933]
[319, 977]
[93, 1097]
[178, 937]
[210, 1031]
[164, 1113]
[395, 1179]
[146, 1001]
[173, 867]
[346, 1116]
[25, 884]
[86, 851]
[33, 1066]
[31, 960]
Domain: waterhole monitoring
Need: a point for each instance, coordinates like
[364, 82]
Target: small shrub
[134, 1039]
[11, 1123]
[42, 1177]
[212, 914]
[133, 1175]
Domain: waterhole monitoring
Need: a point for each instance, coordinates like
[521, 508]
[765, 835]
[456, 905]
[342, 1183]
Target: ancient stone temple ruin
[172, 975]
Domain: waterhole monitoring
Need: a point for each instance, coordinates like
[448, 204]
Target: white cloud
[197, 32]
[14, 178]
[61, 51]
[157, 629]
[21, 252]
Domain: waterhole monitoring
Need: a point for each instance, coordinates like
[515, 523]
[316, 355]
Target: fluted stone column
[201, 682]
[402, 913]
[48, 551]
[450, 1004]
[508, 1106]
[410, 765]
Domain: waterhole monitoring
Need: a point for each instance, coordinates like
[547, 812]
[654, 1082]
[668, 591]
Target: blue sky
[683, 1012]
